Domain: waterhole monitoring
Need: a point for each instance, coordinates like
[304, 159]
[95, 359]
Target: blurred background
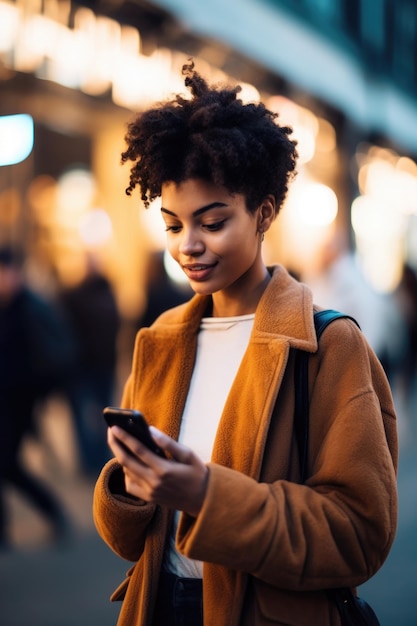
[343, 74]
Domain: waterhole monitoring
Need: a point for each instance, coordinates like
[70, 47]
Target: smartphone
[134, 423]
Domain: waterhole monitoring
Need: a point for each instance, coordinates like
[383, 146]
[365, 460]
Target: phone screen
[133, 422]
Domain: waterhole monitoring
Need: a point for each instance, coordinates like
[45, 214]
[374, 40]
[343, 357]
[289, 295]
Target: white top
[222, 342]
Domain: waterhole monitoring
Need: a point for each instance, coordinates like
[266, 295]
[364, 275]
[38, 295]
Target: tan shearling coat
[270, 546]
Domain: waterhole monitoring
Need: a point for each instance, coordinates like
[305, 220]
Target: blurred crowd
[67, 345]
[63, 346]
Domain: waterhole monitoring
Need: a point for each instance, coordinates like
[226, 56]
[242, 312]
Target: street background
[46, 585]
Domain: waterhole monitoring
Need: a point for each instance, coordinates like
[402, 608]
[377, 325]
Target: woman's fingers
[175, 450]
[178, 482]
[122, 444]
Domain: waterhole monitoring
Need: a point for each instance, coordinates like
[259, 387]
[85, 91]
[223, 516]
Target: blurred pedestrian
[406, 296]
[338, 282]
[36, 354]
[161, 291]
[92, 311]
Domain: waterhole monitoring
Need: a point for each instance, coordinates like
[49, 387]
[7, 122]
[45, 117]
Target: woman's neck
[226, 304]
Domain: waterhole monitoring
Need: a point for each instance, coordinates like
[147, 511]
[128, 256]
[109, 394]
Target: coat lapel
[240, 441]
[283, 319]
[167, 350]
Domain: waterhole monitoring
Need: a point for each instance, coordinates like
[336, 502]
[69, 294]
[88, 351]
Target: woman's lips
[198, 271]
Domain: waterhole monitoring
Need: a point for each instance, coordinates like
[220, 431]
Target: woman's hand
[178, 482]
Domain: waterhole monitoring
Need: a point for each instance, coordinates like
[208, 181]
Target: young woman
[221, 531]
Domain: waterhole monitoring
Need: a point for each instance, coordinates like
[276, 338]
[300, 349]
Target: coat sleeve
[336, 530]
[113, 509]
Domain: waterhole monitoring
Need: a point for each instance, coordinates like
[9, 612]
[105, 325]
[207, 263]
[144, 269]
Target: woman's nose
[190, 243]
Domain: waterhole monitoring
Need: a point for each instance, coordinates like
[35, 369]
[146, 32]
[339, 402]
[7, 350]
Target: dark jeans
[38, 494]
[88, 394]
[16, 423]
[179, 601]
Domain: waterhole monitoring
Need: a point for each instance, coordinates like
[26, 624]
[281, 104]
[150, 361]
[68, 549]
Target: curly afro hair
[213, 136]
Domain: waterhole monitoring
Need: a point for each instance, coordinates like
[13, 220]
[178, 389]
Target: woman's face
[213, 237]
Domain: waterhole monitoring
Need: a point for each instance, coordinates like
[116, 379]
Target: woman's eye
[173, 228]
[213, 227]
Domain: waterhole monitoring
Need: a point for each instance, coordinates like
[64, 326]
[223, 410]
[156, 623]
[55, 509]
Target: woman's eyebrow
[203, 209]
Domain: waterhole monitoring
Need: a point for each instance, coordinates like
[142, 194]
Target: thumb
[176, 450]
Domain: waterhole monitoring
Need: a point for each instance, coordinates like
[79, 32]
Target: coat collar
[285, 311]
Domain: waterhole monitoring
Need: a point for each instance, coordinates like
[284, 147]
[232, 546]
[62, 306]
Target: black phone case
[133, 422]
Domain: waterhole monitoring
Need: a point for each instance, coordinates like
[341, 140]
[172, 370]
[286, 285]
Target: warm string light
[97, 55]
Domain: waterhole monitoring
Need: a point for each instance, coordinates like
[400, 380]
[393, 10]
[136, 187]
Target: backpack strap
[301, 411]
[352, 609]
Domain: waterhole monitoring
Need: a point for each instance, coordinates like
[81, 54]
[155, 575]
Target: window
[372, 21]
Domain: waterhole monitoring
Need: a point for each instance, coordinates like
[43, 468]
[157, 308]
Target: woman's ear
[266, 213]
